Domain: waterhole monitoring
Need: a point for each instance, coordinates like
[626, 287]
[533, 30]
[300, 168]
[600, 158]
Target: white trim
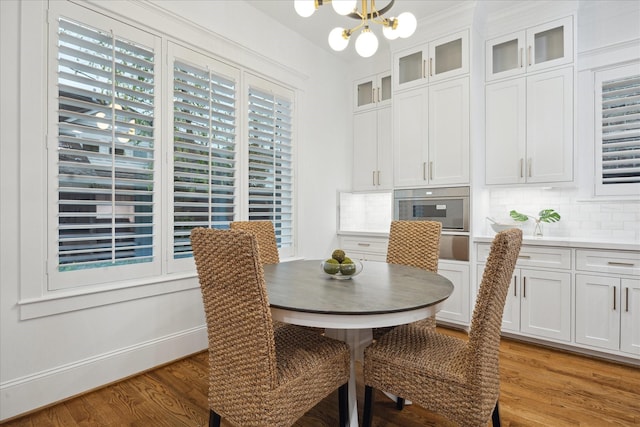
[42, 388]
[78, 299]
[608, 55]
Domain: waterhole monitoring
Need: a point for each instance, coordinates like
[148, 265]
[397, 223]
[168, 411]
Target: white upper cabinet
[431, 135]
[372, 150]
[529, 129]
[430, 62]
[372, 92]
[536, 48]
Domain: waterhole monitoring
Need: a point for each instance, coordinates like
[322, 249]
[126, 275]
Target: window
[143, 146]
[106, 148]
[204, 146]
[618, 130]
[270, 176]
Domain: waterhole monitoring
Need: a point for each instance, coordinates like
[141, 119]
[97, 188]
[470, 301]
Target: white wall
[46, 359]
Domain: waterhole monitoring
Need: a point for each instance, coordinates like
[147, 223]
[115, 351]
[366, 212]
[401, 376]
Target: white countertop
[572, 242]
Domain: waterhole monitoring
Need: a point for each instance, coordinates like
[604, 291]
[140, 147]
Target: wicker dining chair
[457, 378]
[266, 235]
[259, 375]
[416, 244]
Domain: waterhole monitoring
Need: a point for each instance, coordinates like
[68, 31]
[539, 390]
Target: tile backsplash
[584, 219]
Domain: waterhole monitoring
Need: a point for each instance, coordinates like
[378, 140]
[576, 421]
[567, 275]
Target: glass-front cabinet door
[442, 58]
[506, 56]
[550, 44]
[373, 91]
[449, 56]
[536, 48]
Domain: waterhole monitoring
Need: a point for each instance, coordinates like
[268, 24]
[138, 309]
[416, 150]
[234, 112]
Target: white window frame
[600, 76]
[199, 60]
[57, 279]
[286, 250]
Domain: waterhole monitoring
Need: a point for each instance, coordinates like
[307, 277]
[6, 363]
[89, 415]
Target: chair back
[415, 243]
[266, 235]
[484, 333]
[239, 326]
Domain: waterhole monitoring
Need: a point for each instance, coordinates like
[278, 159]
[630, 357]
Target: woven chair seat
[408, 349]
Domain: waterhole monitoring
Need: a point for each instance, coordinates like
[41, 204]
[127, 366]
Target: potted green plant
[545, 215]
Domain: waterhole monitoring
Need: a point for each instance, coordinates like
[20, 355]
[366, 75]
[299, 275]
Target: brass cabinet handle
[529, 166]
[515, 286]
[424, 68]
[431, 170]
[378, 177]
[529, 56]
[364, 244]
[614, 298]
[521, 61]
[524, 256]
[621, 264]
[424, 171]
[524, 287]
[521, 168]
[430, 66]
[373, 180]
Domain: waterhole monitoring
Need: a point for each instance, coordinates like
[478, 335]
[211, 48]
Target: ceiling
[316, 28]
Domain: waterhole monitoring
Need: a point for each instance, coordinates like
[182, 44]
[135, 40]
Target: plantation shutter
[106, 145]
[204, 152]
[270, 176]
[618, 130]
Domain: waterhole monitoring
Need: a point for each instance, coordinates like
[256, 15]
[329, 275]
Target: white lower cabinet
[366, 248]
[538, 304]
[456, 307]
[581, 297]
[545, 304]
[608, 306]
[538, 301]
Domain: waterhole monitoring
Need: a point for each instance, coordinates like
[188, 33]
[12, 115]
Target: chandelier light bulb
[343, 7]
[366, 43]
[389, 32]
[407, 24]
[304, 8]
[336, 40]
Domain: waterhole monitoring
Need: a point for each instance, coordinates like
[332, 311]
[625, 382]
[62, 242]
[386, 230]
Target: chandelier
[367, 43]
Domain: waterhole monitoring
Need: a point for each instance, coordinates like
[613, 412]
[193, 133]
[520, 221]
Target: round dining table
[382, 294]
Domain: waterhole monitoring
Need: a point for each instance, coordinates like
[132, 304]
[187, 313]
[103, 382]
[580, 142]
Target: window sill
[58, 302]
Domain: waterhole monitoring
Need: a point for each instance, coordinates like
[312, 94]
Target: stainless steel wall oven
[449, 206]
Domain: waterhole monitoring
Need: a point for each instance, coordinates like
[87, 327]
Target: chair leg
[214, 419]
[343, 404]
[399, 403]
[495, 416]
[367, 415]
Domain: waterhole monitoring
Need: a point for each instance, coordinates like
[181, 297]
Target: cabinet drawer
[378, 246]
[620, 262]
[534, 256]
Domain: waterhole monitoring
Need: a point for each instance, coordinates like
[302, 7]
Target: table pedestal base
[357, 339]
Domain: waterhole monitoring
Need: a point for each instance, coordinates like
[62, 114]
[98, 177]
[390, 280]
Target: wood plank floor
[539, 387]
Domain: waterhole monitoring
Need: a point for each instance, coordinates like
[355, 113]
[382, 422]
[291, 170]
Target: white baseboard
[44, 388]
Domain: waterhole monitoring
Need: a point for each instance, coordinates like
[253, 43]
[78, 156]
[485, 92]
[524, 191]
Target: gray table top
[380, 288]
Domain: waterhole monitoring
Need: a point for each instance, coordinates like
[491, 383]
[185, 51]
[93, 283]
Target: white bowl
[498, 227]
